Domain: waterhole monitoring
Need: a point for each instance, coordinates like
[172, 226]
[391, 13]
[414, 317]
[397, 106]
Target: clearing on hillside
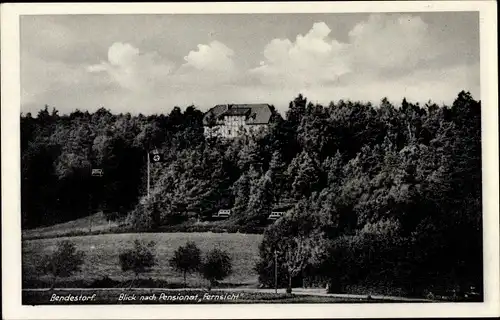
[95, 222]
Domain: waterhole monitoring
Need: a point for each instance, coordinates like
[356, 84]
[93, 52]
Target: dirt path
[296, 291]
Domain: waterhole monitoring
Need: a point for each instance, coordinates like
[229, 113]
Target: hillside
[94, 223]
[383, 194]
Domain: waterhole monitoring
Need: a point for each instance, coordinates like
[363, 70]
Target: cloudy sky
[151, 63]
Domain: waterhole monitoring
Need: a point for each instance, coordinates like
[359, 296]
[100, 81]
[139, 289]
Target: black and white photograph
[275, 156]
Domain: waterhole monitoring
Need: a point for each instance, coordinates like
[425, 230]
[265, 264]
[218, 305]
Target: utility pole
[90, 211]
[148, 173]
[93, 174]
[275, 271]
[89, 157]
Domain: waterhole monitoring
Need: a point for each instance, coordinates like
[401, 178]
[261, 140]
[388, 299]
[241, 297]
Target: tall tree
[186, 259]
[304, 174]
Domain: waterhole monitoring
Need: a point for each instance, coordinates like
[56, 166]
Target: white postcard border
[11, 229]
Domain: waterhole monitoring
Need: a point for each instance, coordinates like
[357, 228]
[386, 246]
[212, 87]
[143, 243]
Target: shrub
[63, 262]
[139, 259]
[145, 216]
[217, 266]
[375, 255]
[186, 259]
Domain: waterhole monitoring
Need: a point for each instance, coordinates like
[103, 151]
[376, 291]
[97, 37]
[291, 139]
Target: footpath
[296, 291]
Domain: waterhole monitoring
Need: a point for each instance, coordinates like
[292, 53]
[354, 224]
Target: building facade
[233, 120]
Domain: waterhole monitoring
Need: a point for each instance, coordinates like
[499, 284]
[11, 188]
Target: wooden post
[275, 271]
[90, 211]
[148, 174]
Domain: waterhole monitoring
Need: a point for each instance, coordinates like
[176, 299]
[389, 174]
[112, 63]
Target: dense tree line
[381, 193]
[399, 205]
[58, 153]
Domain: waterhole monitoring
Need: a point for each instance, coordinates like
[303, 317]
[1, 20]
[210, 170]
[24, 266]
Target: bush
[63, 262]
[374, 256]
[186, 259]
[217, 266]
[140, 259]
[145, 216]
[265, 267]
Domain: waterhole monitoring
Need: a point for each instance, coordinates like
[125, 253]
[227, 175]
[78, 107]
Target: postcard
[250, 160]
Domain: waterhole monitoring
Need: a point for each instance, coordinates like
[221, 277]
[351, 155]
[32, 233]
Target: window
[229, 132]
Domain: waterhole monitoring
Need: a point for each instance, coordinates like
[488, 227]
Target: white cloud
[208, 66]
[380, 44]
[385, 55]
[215, 56]
[384, 42]
[312, 58]
[131, 69]
[154, 83]
[147, 71]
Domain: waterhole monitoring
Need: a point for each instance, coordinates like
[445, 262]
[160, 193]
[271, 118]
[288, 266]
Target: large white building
[232, 120]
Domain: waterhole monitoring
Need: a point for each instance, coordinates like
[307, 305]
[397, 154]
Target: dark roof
[254, 113]
[236, 111]
[214, 113]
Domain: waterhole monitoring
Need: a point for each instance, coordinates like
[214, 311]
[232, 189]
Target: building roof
[254, 113]
[237, 111]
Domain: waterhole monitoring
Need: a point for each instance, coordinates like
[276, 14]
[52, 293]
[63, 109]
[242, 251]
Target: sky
[151, 63]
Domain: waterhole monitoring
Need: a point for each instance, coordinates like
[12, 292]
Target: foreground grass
[102, 251]
[121, 296]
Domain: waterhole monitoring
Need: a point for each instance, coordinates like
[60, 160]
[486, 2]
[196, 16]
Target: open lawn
[102, 251]
[94, 223]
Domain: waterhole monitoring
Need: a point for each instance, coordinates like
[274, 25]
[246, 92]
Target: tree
[241, 194]
[249, 155]
[260, 201]
[374, 255]
[145, 216]
[186, 259]
[333, 167]
[296, 110]
[217, 266]
[140, 259]
[298, 243]
[305, 175]
[63, 262]
[277, 170]
[299, 252]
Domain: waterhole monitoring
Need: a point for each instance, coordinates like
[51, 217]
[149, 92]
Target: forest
[381, 193]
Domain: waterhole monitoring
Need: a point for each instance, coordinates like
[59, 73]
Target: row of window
[227, 130]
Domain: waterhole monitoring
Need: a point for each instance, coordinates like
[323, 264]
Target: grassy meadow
[102, 251]
[94, 223]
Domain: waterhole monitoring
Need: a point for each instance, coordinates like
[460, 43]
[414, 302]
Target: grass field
[102, 251]
[95, 222]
